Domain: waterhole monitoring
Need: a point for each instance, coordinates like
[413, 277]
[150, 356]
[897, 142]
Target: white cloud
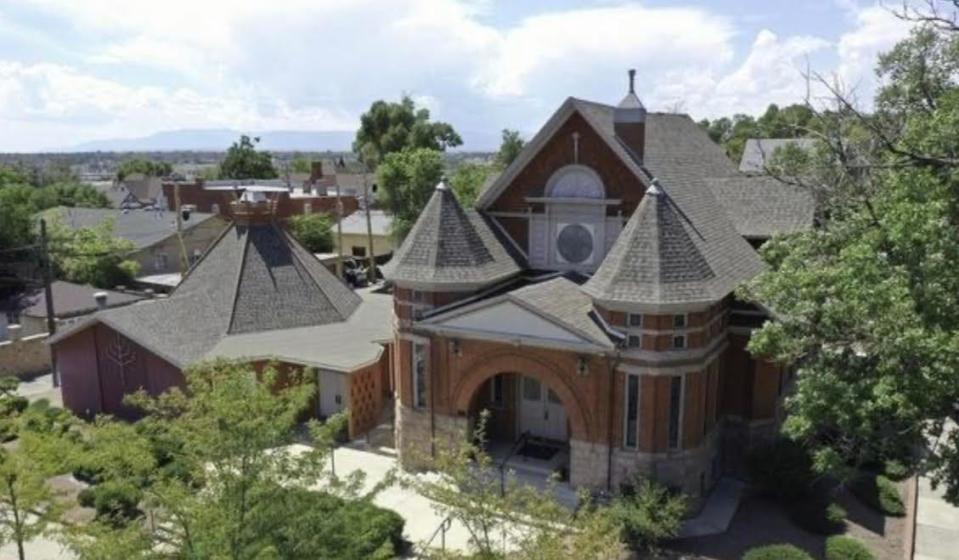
[144, 66]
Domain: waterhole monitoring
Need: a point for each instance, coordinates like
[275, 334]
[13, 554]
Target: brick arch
[547, 373]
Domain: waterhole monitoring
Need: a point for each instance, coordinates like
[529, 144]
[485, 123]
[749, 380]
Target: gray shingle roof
[761, 207]
[70, 300]
[380, 221]
[564, 302]
[758, 150]
[450, 246]
[254, 279]
[143, 227]
[682, 157]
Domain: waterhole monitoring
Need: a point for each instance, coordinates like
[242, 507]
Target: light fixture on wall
[455, 347]
[582, 365]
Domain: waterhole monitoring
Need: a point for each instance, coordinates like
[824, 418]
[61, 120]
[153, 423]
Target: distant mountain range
[277, 140]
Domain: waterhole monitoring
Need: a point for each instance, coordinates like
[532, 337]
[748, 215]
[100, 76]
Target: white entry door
[333, 397]
[541, 412]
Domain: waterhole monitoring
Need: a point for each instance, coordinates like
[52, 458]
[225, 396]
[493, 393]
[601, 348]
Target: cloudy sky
[79, 70]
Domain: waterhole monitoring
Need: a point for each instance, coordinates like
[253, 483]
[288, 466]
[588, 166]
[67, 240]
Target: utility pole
[339, 233]
[48, 296]
[179, 230]
[369, 228]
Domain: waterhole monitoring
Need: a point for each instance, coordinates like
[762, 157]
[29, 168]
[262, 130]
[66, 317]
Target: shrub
[783, 469]
[11, 405]
[87, 497]
[776, 552]
[8, 429]
[42, 418]
[818, 515]
[648, 513]
[879, 493]
[116, 502]
[896, 470]
[847, 548]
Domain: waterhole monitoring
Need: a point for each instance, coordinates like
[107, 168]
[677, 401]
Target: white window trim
[426, 373]
[629, 320]
[639, 389]
[672, 341]
[682, 413]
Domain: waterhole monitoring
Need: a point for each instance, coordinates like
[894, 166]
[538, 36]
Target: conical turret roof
[659, 258]
[449, 247]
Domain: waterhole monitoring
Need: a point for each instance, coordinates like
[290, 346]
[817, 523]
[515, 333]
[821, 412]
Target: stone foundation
[587, 464]
[415, 443]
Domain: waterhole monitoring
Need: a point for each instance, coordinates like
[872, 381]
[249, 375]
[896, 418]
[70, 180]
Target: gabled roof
[143, 227]
[254, 279]
[449, 247]
[550, 313]
[380, 223]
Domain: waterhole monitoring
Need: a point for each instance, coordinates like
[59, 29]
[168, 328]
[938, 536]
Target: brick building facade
[587, 304]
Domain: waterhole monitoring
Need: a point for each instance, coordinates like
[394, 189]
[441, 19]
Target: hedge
[783, 469]
[777, 552]
[847, 548]
[879, 493]
[818, 515]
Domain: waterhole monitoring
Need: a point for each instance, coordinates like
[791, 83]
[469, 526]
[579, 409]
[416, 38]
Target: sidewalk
[937, 525]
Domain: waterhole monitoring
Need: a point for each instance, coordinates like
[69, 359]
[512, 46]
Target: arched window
[575, 181]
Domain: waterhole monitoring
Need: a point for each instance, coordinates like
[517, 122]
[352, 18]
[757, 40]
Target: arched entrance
[532, 412]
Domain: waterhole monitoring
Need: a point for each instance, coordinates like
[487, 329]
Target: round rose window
[575, 243]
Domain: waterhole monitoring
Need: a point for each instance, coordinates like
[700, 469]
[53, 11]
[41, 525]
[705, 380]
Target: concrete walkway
[937, 525]
[41, 387]
[718, 513]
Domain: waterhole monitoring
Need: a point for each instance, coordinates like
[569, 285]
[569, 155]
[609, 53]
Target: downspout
[617, 356]
[432, 402]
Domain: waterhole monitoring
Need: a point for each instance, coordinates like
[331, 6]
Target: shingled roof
[254, 279]
[450, 247]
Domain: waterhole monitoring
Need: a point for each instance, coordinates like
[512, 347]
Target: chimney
[101, 299]
[316, 171]
[629, 120]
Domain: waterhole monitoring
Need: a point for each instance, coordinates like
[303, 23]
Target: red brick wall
[203, 200]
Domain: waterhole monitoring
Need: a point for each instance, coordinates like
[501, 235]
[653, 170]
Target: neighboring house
[759, 151]
[157, 247]
[71, 302]
[257, 296]
[588, 303]
[299, 194]
[356, 238]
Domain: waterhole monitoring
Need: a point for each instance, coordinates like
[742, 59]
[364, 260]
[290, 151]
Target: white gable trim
[536, 144]
[504, 318]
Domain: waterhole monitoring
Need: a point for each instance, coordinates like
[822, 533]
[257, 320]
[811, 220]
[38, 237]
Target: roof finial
[632, 80]
[654, 187]
[442, 186]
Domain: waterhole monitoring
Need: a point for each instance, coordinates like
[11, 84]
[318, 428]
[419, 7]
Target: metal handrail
[502, 465]
[441, 530]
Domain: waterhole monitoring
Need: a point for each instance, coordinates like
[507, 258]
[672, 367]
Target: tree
[865, 304]
[91, 255]
[511, 146]
[467, 181]
[407, 180]
[228, 484]
[731, 133]
[28, 505]
[648, 512]
[314, 231]
[388, 128]
[144, 166]
[242, 161]
[504, 515]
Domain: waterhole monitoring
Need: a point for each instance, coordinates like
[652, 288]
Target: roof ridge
[239, 276]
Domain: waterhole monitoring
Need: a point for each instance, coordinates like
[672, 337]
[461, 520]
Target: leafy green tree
[301, 164]
[508, 516]
[467, 181]
[243, 161]
[144, 166]
[91, 255]
[314, 231]
[407, 180]
[17, 208]
[389, 127]
[648, 512]
[236, 492]
[731, 133]
[866, 303]
[28, 504]
[511, 146]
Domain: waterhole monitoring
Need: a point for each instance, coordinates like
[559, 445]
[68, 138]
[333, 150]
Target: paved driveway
[937, 525]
